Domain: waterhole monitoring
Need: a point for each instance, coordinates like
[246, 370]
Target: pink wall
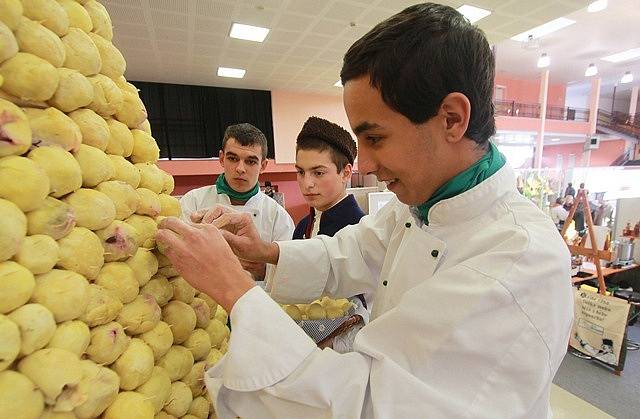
[290, 110]
[528, 91]
[606, 154]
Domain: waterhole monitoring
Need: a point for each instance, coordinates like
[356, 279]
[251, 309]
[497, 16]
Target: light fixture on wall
[627, 77]
[338, 83]
[544, 60]
[597, 6]
[591, 71]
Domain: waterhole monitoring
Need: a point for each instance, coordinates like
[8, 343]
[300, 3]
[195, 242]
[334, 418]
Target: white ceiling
[184, 41]
[593, 36]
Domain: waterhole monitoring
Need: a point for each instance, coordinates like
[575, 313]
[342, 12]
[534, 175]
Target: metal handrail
[532, 110]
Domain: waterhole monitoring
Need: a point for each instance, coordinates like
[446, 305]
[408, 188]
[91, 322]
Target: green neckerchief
[489, 164]
[223, 187]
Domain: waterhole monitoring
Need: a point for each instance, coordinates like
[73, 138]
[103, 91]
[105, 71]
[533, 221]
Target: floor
[586, 389]
[567, 406]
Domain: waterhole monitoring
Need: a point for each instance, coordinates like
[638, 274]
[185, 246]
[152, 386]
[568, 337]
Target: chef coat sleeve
[344, 265]
[283, 226]
[274, 370]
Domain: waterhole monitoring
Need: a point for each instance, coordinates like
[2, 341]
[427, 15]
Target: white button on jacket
[471, 317]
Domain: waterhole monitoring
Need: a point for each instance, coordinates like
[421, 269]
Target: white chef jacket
[558, 213]
[270, 218]
[471, 317]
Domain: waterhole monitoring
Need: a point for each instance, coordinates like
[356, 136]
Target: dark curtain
[189, 121]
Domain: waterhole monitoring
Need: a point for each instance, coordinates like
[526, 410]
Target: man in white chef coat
[243, 158]
[472, 303]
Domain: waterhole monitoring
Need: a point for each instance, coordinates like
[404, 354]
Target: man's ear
[263, 165]
[221, 158]
[456, 112]
[346, 173]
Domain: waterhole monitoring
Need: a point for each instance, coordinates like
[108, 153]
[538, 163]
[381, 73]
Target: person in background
[243, 157]
[558, 213]
[570, 191]
[268, 189]
[472, 298]
[325, 153]
[581, 188]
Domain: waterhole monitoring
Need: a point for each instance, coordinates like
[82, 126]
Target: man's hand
[241, 234]
[205, 260]
[208, 215]
[257, 269]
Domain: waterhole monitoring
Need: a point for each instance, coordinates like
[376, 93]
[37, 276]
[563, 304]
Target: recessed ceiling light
[248, 32]
[555, 140]
[338, 84]
[597, 6]
[591, 71]
[627, 78]
[473, 13]
[236, 73]
[627, 55]
[544, 29]
[544, 61]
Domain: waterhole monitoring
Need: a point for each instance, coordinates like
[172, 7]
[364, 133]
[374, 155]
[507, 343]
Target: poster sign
[599, 326]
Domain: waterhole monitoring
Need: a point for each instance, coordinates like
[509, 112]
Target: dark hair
[570, 184]
[246, 135]
[559, 201]
[313, 143]
[420, 55]
[320, 134]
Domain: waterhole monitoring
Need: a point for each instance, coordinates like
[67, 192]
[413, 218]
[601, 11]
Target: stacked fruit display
[93, 320]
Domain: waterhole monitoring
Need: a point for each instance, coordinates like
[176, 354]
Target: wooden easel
[581, 249]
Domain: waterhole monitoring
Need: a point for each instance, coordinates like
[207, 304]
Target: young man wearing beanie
[324, 160]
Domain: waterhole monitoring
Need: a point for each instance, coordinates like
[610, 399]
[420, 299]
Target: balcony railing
[567, 114]
[532, 110]
[620, 122]
[517, 109]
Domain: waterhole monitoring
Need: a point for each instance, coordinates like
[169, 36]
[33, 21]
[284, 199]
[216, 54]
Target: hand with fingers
[243, 237]
[257, 269]
[204, 259]
[208, 215]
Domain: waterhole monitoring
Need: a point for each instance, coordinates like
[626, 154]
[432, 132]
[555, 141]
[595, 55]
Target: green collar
[484, 168]
[223, 187]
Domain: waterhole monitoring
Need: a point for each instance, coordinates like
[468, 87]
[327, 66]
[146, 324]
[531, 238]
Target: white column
[544, 90]
[594, 102]
[634, 102]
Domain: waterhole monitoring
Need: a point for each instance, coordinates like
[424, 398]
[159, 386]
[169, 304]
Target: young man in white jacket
[472, 301]
[243, 157]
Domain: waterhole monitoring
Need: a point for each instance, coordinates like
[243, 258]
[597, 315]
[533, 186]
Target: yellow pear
[74, 91]
[52, 127]
[49, 13]
[15, 132]
[107, 97]
[81, 53]
[36, 39]
[65, 175]
[100, 18]
[29, 77]
[94, 129]
[33, 186]
[113, 63]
